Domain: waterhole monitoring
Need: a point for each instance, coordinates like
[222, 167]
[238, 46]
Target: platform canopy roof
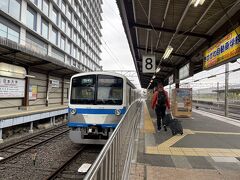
[152, 25]
[34, 59]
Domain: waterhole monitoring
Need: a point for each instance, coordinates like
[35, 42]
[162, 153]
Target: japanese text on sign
[225, 49]
[11, 87]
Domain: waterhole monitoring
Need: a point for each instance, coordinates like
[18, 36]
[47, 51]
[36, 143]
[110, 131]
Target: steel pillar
[62, 96]
[31, 127]
[51, 121]
[1, 139]
[65, 117]
[54, 120]
[226, 88]
[25, 101]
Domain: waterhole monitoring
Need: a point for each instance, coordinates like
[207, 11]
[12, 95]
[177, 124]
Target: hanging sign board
[11, 87]
[225, 50]
[184, 72]
[148, 63]
[54, 83]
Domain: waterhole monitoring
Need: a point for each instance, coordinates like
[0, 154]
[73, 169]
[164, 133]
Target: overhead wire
[107, 48]
[109, 52]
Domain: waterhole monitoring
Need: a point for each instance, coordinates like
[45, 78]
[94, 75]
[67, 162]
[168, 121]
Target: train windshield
[101, 89]
[110, 90]
[83, 90]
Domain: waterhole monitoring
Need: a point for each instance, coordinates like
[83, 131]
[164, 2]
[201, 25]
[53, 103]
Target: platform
[208, 149]
[13, 118]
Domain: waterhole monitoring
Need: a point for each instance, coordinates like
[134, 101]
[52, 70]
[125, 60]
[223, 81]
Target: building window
[78, 54]
[69, 14]
[13, 7]
[67, 46]
[63, 7]
[45, 6]
[71, 33]
[62, 43]
[31, 18]
[74, 21]
[74, 36]
[54, 16]
[74, 52]
[63, 24]
[44, 29]
[13, 35]
[9, 33]
[54, 36]
[78, 40]
[4, 5]
[68, 31]
[35, 2]
[3, 30]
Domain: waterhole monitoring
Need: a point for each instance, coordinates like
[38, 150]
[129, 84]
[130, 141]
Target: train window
[110, 90]
[83, 90]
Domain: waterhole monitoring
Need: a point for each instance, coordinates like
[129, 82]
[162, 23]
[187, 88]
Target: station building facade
[52, 40]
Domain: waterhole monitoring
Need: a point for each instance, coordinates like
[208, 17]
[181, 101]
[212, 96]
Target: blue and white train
[97, 102]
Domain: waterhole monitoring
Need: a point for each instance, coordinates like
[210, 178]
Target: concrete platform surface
[31, 110]
[208, 149]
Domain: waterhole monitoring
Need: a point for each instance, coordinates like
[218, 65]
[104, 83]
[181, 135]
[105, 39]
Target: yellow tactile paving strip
[166, 149]
[148, 123]
[210, 132]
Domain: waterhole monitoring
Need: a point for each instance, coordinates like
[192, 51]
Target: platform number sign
[148, 64]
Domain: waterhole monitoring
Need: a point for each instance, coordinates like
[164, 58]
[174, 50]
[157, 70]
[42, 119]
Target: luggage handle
[170, 113]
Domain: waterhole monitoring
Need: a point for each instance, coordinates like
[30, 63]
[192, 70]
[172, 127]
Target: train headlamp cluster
[73, 111]
[118, 112]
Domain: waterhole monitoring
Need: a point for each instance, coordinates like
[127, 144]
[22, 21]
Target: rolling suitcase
[168, 119]
[176, 127]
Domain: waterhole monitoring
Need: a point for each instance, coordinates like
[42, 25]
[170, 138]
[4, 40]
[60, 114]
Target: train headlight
[73, 111]
[118, 112]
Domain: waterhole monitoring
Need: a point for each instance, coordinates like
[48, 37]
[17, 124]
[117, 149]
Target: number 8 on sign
[148, 65]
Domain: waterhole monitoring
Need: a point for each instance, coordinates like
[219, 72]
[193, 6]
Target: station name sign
[224, 50]
[12, 87]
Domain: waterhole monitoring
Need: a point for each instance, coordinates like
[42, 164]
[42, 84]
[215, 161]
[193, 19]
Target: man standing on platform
[160, 102]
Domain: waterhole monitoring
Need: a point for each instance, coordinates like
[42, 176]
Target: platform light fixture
[197, 2]
[168, 51]
[153, 77]
[158, 69]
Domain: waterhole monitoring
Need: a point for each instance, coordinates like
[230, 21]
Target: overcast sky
[116, 54]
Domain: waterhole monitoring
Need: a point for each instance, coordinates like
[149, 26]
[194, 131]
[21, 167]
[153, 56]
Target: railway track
[15, 149]
[68, 170]
[233, 113]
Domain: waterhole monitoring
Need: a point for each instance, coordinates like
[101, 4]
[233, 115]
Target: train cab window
[110, 90]
[83, 90]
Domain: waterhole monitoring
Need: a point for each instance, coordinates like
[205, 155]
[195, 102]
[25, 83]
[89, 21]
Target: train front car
[96, 105]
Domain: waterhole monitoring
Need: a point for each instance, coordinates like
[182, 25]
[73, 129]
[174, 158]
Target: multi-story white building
[42, 44]
[66, 30]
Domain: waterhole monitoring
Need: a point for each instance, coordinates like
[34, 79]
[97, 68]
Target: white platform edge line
[218, 117]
